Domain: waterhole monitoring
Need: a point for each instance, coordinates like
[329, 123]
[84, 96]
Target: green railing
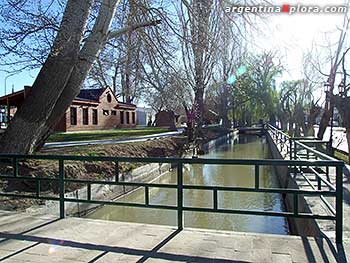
[298, 149]
[62, 182]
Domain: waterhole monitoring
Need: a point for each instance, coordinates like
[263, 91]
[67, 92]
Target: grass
[104, 134]
[341, 156]
[338, 155]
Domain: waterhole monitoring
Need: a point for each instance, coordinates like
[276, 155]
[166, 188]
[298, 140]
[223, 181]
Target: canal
[247, 147]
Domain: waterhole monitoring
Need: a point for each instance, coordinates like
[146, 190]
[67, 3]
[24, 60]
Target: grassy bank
[104, 134]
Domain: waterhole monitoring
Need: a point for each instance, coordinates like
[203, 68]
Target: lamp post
[341, 88]
[330, 107]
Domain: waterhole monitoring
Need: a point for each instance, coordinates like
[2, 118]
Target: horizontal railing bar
[9, 177]
[318, 153]
[312, 141]
[262, 213]
[261, 190]
[203, 209]
[303, 138]
[121, 183]
[174, 186]
[194, 209]
[332, 162]
[104, 202]
[34, 196]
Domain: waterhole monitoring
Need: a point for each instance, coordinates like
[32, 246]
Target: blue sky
[292, 35]
[18, 80]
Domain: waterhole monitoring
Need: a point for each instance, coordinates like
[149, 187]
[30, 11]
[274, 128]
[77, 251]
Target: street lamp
[9, 75]
[330, 107]
[341, 88]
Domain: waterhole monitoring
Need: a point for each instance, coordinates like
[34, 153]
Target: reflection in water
[249, 147]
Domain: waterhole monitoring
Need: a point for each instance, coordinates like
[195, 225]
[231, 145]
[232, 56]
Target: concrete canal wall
[297, 226]
[145, 173]
[213, 144]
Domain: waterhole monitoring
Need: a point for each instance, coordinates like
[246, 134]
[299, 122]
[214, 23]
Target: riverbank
[167, 147]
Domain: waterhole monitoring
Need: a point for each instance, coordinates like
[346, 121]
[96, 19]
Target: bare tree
[63, 73]
[334, 59]
[198, 35]
[342, 100]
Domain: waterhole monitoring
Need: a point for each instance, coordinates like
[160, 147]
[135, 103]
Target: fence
[62, 181]
[296, 149]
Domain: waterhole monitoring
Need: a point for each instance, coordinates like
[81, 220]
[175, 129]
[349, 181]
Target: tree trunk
[87, 55]
[198, 111]
[326, 116]
[30, 120]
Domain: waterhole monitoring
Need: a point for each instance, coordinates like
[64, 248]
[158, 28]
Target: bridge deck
[36, 238]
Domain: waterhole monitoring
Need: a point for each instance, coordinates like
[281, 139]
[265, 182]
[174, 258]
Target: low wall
[213, 144]
[145, 173]
[297, 226]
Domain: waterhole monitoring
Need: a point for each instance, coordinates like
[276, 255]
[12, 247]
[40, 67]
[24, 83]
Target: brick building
[92, 109]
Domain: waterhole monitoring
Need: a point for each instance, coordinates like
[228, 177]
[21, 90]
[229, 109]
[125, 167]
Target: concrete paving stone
[243, 256]
[106, 241]
[243, 244]
[13, 245]
[261, 243]
[279, 246]
[117, 257]
[281, 258]
[224, 253]
[157, 260]
[79, 254]
[26, 257]
[262, 255]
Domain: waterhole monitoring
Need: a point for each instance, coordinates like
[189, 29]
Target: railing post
[290, 149]
[339, 205]
[257, 176]
[116, 172]
[15, 167]
[295, 204]
[179, 197]
[61, 187]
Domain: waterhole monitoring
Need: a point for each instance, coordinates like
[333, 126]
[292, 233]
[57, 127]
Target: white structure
[144, 116]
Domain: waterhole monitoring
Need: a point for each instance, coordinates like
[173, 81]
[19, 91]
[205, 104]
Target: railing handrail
[295, 139]
[292, 149]
[180, 186]
[173, 160]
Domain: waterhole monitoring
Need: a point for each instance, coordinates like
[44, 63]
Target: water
[249, 147]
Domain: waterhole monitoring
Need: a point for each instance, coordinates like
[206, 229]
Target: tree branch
[119, 32]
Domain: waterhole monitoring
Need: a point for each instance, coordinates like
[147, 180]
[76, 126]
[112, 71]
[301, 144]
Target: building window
[127, 117]
[73, 116]
[85, 116]
[133, 117]
[105, 112]
[94, 117]
[113, 112]
[122, 117]
[109, 98]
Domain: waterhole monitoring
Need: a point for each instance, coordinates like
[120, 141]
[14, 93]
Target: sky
[292, 35]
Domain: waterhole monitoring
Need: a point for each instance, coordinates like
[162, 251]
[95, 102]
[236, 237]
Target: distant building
[145, 116]
[92, 109]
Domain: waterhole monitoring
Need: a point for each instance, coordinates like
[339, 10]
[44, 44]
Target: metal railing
[296, 149]
[62, 181]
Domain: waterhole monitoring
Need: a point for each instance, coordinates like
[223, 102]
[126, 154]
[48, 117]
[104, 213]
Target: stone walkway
[35, 238]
